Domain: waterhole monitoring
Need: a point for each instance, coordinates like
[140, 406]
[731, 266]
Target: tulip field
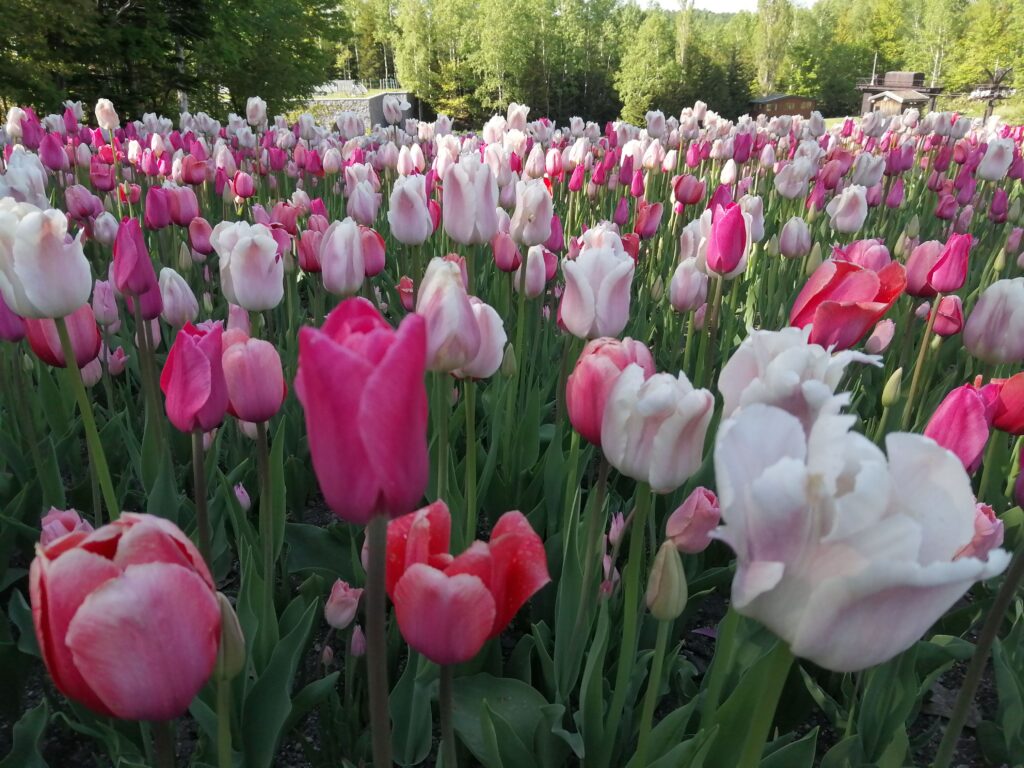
[691, 443]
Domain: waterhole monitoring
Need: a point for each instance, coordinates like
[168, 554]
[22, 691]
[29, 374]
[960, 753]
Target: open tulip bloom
[774, 356]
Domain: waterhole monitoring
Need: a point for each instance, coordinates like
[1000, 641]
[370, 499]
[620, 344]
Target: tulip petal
[155, 540]
[520, 567]
[186, 383]
[578, 307]
[147, 642]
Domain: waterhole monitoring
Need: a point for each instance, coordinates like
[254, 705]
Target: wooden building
[897, 89]
[782, 104]
[896, 101]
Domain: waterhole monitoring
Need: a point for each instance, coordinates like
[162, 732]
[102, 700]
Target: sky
[721, 6]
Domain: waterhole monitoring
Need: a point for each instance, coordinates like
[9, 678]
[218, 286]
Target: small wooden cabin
[782, 104]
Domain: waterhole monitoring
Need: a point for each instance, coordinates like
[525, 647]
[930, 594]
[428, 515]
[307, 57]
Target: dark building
[896, 91]
[782, 104]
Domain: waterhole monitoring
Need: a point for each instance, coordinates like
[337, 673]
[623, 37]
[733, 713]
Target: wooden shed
[894, 102]
[782, 104]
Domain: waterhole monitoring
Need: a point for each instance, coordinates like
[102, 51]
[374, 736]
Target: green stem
[443, 406]
[711, 321]
[224, 724]
[763, 707]
[447, 727]
[97, 458]
[376, 642]
[163, 743]
[471, 512]
[630, 614]
[266, 527]
[922, 353]
[199, 491]
[988, 466]
[987, 636]
[26, 415]
[653, 693]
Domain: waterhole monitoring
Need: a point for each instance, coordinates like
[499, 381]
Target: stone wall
[370, 108]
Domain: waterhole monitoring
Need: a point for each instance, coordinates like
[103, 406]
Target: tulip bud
[666, 587]
[891, 391]
[327, 656]
[509, 366]
[616, 529]
[358, 642]
[1000, 261]
[231, 654]
[913, 226]
[814, 259]
[242, 496]
[689, 527]
[341, 606]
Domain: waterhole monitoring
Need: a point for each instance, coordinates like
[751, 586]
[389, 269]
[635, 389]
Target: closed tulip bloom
[158, 208]
[251, 270]
[729, 241]
[950, 270]
[597, 369]
[531, 221]
[795, 239]
[988, 534]
[689, 287]
[126, 617]
[134, 276]
[192, 379]
[361, 385]
[52, 154]
[242, 185]
[842, 301]
[506, 253]
[408, 212]
[961, 425]
[12, 326]
[653, 428]
[492, 343]
[104, 303]
[453, 335]
[848, 210]
[689, 527]
[106, 116]
[997, 160]
[341, 258]
[880, 337]
[363, 203]
[870, 253]
[787, 370]
[470, 200]
[340, 608]
[44, 338]
[179, 302]
[921, 263]
[254, 379]
[255, 111]
[828, 588]
[1006, 400]
[105, 228]
[868, 169]
[199, 233]
[648, 217]
[994, 331]
[666, 587]
[950, 318]
[42, 273]
[597, 292]
[533, 272]
[60, 522]
[373, 251]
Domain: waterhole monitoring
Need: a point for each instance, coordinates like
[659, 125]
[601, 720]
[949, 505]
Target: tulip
[361, 385]
[689, 527]
[831, 592]
[251, 270]
[12, 327]
[340, 608]
[192, 379]
[870, 254]
[1006, 400]
[115, 361]
[453, 335]
[158, 208]
[408, 212]
[961, 425]
[126, 617]
[994, 331]
[341, 258]
[470, 199]
[666, 588]
[44, 338]
[591, 382]
[363, 203]
[795, 239]
[254, 379]
[242, 185]
[60, 522]
[506, 254]
[531, 221]
[199, 233]
[133, 272]
[648, 217]
[997, 160]
[689, 287]
[104, 303]
[106, 116]
[653, 428]
[932, 270]
[42, 274]
[105, 228]
[842, 301]
[880, 337]
[242, 497]
[179, 302]
[492, 343]
[597, 292]
[848, 210]
[950, 318]
[255, 111]
[988, 534]
[729, 241]
[535, 273]
[373, 251]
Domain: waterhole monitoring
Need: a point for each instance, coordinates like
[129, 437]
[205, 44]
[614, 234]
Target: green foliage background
[600, 59]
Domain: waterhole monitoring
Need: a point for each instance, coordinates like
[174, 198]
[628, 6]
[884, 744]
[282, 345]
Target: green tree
[649, 76]
[774, 25]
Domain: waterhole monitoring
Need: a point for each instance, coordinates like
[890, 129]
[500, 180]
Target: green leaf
[163, 499]
[277, 487]
[268, 704]
[691, 754]
[846, 754]
[798, 754]
[309, 697]
[890, 691]
[669, 732]
[515, 703]
[409, 703]
[319, 549]
[21, 616]
[27, 733]
[511, 749]
[592, 687]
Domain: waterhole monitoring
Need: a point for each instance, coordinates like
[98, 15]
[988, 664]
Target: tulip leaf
[319, 549]
[890, 692]
[797, 754]
[21, 616]
[269, 703]
[552, 743]
[669, 732]
[409, 702]
[848, 753]
[592, 695]
[516, 708]
[277, 487]
[57, 411]
[510, 747]
[309, 697]
[163, 499]
[28, 731]
[691, 753]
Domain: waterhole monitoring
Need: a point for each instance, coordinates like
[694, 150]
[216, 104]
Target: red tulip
[254, 379]
[193, 378]
[1007, 401]
[126, 617]
[423, 536]
[361, 384]
[843, 301]
[85, 337]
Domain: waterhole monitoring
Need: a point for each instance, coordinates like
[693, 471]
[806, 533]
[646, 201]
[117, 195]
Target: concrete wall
[370, 108]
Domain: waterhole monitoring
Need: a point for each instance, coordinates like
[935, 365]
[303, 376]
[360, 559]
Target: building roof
[901, 96]
[778, 97]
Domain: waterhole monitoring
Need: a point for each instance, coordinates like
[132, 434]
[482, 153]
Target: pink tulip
[85, 338]
[690, 526]
[961, 424]
[126, 618]
[158, 208]
[648, 217]
[254, 379]
[12, 326]
[61, 522]
[373, 250]
[870, 254]
[184, 205]
[199, 231]
[453, 336]
[590, 383]
[728, 242]
[192, 379]
[506, 253]
[361, 385]
[133, 270]
[340, 608]
[880, 337]
[492, 343]
[597, 291]
[242, 185]
[950, 318]
[988, 534]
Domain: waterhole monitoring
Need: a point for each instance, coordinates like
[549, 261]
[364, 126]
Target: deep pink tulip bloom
[12, 326]
[126, 617]
[158, 208]
[82, 329]
[361, 385]
[193, 379]
[199, 231]
[648, 217]
[961, 424]
[134, 275]
[727, 243]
